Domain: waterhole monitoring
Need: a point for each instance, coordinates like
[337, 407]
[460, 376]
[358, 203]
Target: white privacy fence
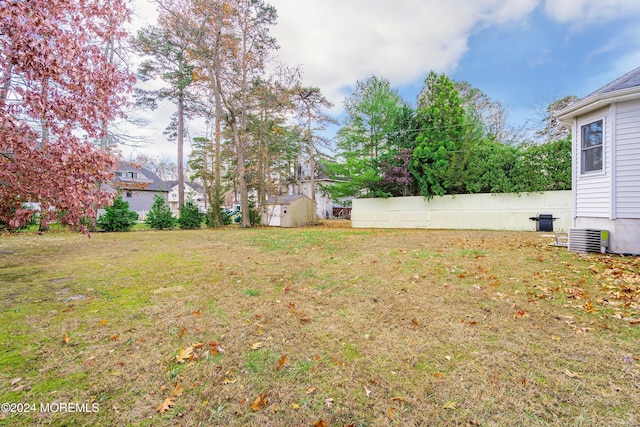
[465, 211]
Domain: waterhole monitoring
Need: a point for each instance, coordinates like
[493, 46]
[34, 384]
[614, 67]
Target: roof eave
[595, 102]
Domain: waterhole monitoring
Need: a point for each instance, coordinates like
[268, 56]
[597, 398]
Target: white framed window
[592, 147]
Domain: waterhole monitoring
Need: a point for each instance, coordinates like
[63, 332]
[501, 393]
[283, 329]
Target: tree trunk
[180, 152]
[312, 161]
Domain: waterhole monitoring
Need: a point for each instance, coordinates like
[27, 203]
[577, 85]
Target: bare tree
[311, 101]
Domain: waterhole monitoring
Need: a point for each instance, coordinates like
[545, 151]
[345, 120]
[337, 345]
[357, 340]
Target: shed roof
[284, 200]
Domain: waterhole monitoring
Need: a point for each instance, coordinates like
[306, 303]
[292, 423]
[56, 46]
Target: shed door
[275, 216]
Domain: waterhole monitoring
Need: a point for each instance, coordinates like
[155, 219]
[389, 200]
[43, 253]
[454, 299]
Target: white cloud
[339, 42]
[583, 12]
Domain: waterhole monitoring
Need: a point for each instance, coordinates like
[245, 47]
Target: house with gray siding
[138, 186]
[605, 127]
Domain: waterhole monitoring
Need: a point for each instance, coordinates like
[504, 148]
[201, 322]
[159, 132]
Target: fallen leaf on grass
[168, 403]
[450, 405]
[177, 390]
[184, 354]
[215, 348]
[103, 322]
[15, 381]
[281, 362]
[328, 402]
[310, 390]
[320, 423]
[571, 374]
[114, 337]
[257, 345]
[367, 391]
[589, 308]
[66, 338]
[295, 406]
[228, 381]
[259, 402]
[521, 313]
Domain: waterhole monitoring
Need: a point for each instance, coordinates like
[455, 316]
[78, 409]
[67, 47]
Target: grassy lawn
[317, 326]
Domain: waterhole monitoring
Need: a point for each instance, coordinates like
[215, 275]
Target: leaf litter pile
[318, 327]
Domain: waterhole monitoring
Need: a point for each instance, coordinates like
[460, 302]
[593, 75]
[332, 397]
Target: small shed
[294, 210]
[605, 126]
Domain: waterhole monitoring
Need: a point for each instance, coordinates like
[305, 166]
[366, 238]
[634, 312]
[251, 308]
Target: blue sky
[526, 66]
[522, 53]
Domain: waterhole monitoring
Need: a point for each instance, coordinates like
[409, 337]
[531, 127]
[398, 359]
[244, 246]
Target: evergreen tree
[364, 140]
[160, 217]
[117, 217]
[190, 216]
[440, 156]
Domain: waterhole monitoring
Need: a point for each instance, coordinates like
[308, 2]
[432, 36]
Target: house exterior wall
[141, 201]
[611, 200]
[624, 234]
[324, 204]
[627, 160]
[465, 211]
[593, 189]
[189, 194]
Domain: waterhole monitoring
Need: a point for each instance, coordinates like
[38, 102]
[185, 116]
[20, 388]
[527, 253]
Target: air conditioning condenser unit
[588, 240]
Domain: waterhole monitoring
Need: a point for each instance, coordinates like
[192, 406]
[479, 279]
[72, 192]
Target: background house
[289, 211]
[324, 204]
[138, 187]
[192, 190]
[606, 162]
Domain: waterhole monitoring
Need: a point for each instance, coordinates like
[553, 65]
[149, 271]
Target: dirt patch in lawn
[318, 325]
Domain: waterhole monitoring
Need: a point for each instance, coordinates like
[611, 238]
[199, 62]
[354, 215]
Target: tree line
[455, 141]
[216, 61]
[64, 76]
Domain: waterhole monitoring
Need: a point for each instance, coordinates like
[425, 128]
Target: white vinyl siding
[628, 160]
[592, 189]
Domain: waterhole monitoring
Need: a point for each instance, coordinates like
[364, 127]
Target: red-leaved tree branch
[58, 92]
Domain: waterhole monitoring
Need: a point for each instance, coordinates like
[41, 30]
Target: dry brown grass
[348, 327]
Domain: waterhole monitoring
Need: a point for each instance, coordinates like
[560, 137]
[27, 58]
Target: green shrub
[190, 216]
[117, 217]
[160, 217]
[254, 215]
[217, 217]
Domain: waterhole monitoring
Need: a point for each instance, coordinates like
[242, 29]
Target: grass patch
[363, 327]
